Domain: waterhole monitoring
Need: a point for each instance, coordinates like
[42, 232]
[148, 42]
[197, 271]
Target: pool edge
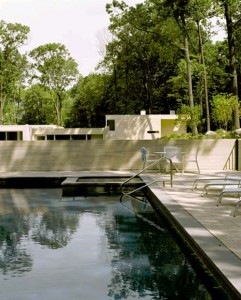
[214, 254]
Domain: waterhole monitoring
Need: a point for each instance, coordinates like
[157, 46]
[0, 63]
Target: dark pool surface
[90, 248]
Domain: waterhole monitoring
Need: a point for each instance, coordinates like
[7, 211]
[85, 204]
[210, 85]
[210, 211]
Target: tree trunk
[232, 61]
[204, 78]
[56, 105]
[179, 15]
[59, 109]
[189, 77]
[2, 102]
[1, 113]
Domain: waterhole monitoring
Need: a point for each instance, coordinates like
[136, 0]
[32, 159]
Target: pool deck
[213, 228]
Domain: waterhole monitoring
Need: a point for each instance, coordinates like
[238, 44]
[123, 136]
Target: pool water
[90, 248]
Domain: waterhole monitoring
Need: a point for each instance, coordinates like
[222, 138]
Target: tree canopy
[54, 68]
[161, 57]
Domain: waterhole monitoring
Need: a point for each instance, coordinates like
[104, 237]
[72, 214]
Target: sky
[77, 24]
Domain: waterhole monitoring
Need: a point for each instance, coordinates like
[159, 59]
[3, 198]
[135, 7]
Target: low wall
[104, 154]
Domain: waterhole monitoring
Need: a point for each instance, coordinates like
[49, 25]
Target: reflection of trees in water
[149, 263]
[13, 257]
[173, 274]
[54, 230]
[131, 268]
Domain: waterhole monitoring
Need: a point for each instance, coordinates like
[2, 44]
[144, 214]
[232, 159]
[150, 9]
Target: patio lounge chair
[230, 191]
[205, 179]
[231, 181]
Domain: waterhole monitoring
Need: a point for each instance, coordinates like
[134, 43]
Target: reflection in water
[150, 264]
[62, 249]
[14, 258]
[54, 229]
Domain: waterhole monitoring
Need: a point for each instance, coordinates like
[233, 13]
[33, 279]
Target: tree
[201, 11]
[53, 67]
[231, 11]
[12, 63]
[90, 101]
[193, 19]
[141, 57]
[180, 12]
[192, 116]
[156, 23]
[223, 105]
[36, 106]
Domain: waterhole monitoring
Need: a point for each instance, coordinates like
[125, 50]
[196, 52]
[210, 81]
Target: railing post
[236, 155]
[148, 167]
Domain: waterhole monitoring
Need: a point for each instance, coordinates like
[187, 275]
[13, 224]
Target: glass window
[12, 136]
[111, 124]
[78, 137]
[40, 137]
[152, 131]
[2, 136]
[62, 137]
[50, 137]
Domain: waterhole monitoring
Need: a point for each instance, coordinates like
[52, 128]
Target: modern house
[143, 127]
[118, 127]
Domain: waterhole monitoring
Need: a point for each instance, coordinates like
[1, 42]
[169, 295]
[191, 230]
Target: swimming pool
[90, 248]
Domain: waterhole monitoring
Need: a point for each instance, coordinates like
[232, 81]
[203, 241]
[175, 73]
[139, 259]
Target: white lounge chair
[209, 179]
[229, 190]
[231, 181]
[205, 179]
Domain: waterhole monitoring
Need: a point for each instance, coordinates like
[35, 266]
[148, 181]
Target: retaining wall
[105, 154]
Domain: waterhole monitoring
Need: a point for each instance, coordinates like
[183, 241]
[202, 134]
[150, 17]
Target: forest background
[157, 56]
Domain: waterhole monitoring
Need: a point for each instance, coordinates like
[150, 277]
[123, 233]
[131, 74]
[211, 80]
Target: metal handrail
[143, 170]
[230, 164]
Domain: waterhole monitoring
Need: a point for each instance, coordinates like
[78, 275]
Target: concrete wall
[144, 127]
[127, 127]
[103, 155]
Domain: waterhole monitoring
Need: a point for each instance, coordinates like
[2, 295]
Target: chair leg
[194, 185]
[205, 191]
[237, 207]
[198, 167]
[176, 168]
[220, 198]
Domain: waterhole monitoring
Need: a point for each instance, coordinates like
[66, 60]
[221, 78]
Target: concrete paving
[213, 228]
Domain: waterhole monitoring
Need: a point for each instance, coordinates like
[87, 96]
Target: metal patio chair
[192, 158]
[176, 155]
[148, 158]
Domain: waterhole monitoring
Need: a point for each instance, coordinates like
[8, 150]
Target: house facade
[143, 127]
[118, 127]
